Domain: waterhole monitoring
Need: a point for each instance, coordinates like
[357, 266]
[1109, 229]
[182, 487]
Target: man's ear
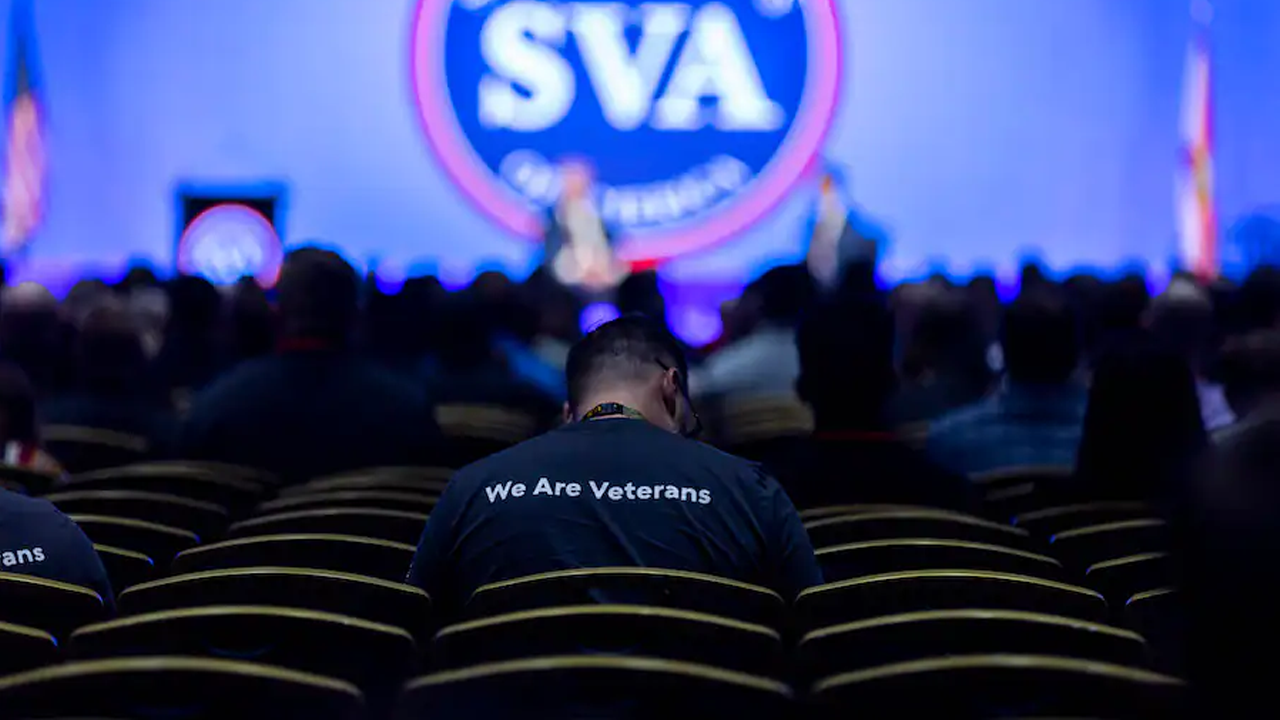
[568, 413]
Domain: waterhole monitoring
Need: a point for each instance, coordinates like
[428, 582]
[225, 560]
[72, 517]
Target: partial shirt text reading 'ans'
[602, 491]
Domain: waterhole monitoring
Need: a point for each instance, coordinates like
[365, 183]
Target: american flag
[1197, 217]
[22, 203]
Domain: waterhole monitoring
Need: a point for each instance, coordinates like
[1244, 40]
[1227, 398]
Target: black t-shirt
[37, 539]
[612, 492]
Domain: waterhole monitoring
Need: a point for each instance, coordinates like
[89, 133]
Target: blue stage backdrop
[975, 132]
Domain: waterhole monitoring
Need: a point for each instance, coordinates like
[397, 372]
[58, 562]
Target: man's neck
[619, 405]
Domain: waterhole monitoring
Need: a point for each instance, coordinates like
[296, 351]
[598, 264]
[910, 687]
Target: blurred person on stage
[577, 246]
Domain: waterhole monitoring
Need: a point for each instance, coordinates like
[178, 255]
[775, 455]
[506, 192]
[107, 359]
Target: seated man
[315, 408]
[847, 378]
[618, 485]
[1035, 417]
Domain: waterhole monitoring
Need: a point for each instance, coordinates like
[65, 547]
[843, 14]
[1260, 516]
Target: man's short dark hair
[846, 361]
[1040, 339]
[319, 294]
[621, 351]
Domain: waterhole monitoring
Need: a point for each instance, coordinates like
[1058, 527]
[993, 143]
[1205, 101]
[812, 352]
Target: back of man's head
[318, 294]
[111, 354]
[785, 292]
[846, 364]
[1040, 340]
[195, 305]
[1181, 321]
[625, 354]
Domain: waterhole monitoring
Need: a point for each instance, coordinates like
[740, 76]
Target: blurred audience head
[636, 361]
[846, 365]
[17, 406]
[1142, 426]
[252, 320]
[1258, 302]
[1249, 369]
[138, 277]
[466, 335]
[1039, 339]
[1181, 321]
[641, 294]
[785, 292]
[109, 352]
[318, 296]
[195, 306]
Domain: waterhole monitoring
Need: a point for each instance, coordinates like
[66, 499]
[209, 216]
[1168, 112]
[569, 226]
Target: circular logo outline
[794, 157]
[273, 256]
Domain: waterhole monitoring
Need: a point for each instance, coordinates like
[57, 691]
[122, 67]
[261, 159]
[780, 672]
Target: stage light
[597, 314]
[227, 235]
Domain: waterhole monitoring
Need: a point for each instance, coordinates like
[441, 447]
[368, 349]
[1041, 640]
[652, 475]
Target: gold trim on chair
[293, 537]
[1150, 594]
[141, 495]
[49, 584]
[162, 616]
[325, 513]
[826, 511]
[580, 662]
[936, 542]
[272, 570]
[1126, 560]
[345, 499]
[971, 614]
[1107, 527]
[951, 573]
[968, 662]
[163, 663]
[24, 631]
[568, 611]
[135, 524]
[1060, 510]
[131, 554]
[165, 470]
[939, 515]
[87, 435]
[624, 571]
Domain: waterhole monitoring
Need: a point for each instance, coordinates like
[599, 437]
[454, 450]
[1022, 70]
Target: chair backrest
[125, 568]
[186, 480]
[24, 648]
[341, 646]
[593, 686]
[891, 593]
[49, 605]
[158, 542]
[352, 499]
[912, 636]
[1009, 491]
[393, 525]
[198, 516]
[633, 586]
[1085, 546]
[159, 686]
[1044, 522]
[612, 629]
[342, 553]
[82, 449]
[429, 481]
[825, 511]
[842, 529]
[872, 557]
[989, 685]
[1122, 578]
[380, 601]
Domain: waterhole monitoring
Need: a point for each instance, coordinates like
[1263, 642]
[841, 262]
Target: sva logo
[697, 118]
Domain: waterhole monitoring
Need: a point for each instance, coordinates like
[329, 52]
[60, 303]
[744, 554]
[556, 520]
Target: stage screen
[973, 132]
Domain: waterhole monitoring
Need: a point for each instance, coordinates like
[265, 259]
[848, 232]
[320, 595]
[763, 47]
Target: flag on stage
[1197, 216]
[22, 202]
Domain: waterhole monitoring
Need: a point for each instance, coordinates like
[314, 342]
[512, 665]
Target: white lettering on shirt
[602, 490]
[21, 556]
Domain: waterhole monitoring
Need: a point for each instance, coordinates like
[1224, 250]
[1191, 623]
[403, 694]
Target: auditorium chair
[1044, 522]
[341, 553]
[1007, 492]
[1000, 685]
[24, 648]
[158, 542]
[26, 481]
[872, 557]
[891, 593]
[428, 481]
[912, 636]
[612, 629]
[921, 523]
[593, 686]
[1158, 615]
[172, 686]
[376, 658]
[825, 511]
[379, 601]
[82, 449]
[48, 605]
[205, 519]
[125, 568]
[229, 490]
[351, 499]
[393, 525]
[630, 585]
[1083, 546]
[474, 431]
[1122, 578]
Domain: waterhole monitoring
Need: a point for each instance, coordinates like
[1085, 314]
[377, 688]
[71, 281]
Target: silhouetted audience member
[251, 320]
[1249, 367]
[618, 486]
[1034, 417]
[1142, 428]
[763, 361]
[847, 377]
[944, 363]
[35, 537]
[1181, 321]
[34, 337]
[191, 355]
[315, 408]
[114, 389]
